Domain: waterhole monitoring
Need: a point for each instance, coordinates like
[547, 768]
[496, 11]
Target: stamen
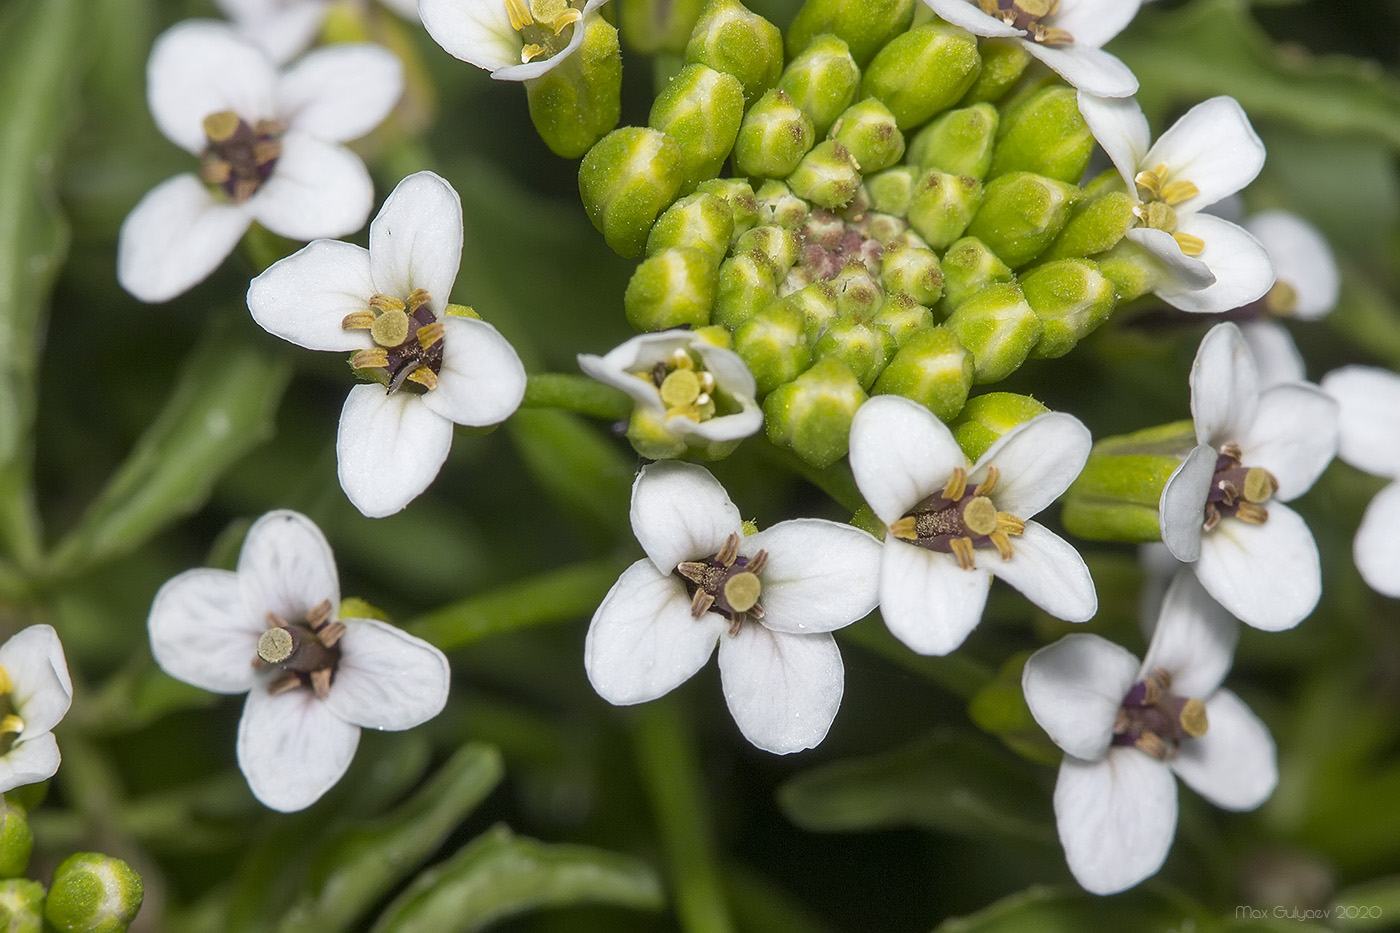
[729, 552]
[321, 683]
[277, 621]
[424, 377]
[1251, 513]
[1282, 299]
[957, 484]
[373, 358]
[693, 570]
[431, 334]
[390, 329]
[216, 172]
[357, 320]
[980, 516]
[700, 604]
[283, 682]
[11, 725]
[1149, 184]
[1193, 718]
[736, 625]
[1179, 191]
[985, 487]
[1190, 245]
[1003, 544]
[276, 645]
[742, 590]
[7, 684]
[681, 360]
[962, 550]
[519, 15]
[1152, 745]
[330, 635]
[384, 303]
[417, 298]
[317, 615]
[759, 561]
[1010, 524]
[905, 528]
[531, 52]
[567, 18]
[1053, 35]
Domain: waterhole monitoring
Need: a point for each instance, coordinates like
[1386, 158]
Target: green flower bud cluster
[903, 215]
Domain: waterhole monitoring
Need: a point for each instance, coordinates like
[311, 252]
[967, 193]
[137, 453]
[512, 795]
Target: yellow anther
[221, 126]
[244, 189]
[1053, 35]
[1282, 299]
[1259, 485]
[1010, 524]
[11, 725]
[729, 551]
[1193, 718]
[700, 604]
[1003, 544]
[417, 298]
[1179, 191]
[988, 6]
[430, 334]
[216, 172]
[1190, 245]
[742, 590]
[425, 377]
[680, 388]
[373, 358]
[389, 329]
[1251, 513]
[519, 14]
[565, 19]
[905, 528]
[7, 684]
[985, 487]
[357, 320]
[387, 303]
[1150, 743]
[962, 550]
[681, 360]
[275, 645]
[707, 382]
[530, 52]
[980, 516]
[1149, 184]
[957, 484]
[266, 150]
[269, 128]
[1036, 8]
[321, 683]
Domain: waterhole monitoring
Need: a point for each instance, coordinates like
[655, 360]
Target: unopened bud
[701, 109]
[573, 104]
[902, 317]
[999, 329]
[1095, 224]
[774, 345]
[931, 368]
[1003, 63]
[651, 26]
[1117, 495]
[747, 285]
[1133, 270]
[629, 177]
[778, 205]
[93, 893]
[16, 839]
[864, 26]
[912, 271]
[827, 176]
[778, 246]
[959, 142]
[674, 288]
[1045, 134]
[968, 267]
[739, 196]
[730, 38]
[892, 190]
[822, 81]
[857, 293]
[943, 205]
[987, 417]
[1021, 214]
[815, 303]
[812, 414]
[22, 906]
[860, 344]
[868, 129]
[922, 72]
[774, 137]
[1071, 298]
[700, 221]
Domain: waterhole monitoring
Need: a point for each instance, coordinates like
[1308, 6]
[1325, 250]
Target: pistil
[687, 388]
[957, 520]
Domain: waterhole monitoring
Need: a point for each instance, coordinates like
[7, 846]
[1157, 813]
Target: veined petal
[286, 567]
[1194, 640]
[1094, 22]
[900, 453]
[1368, 418]
[33, 758]
[1301, 258]
[1235, 764]
[1120, 127]
[174, 237]
[283, 30]
[1275, 354]
[304, 297]
[202, 633]
[1294, 436]
[387, 678]
[1049, 572]
[1181, 513]
[340, 92]
[1074, 689]
[43, 691]
[783, 690]
[1224, 387]
[317, 189]
[1116, 818]
[1267, 575]
[968, 16]
[1087, 68]
[389, 448]
[477, 33]
[680, 512]
[200, 67]
[526, 71]
[482, 380]
[1241, 265]
[1179, 273]
[292, 748]
[1212, 146]
[1376, 549]
[1036, 462]
[416, 240]
[643, 641]
[820, 575]
[928, 601]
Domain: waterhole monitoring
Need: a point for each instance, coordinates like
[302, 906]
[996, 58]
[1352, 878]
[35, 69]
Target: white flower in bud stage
[284, 28]
[515, 40]
[1207, 264]
[269, 150]
[1254, 446]
[35, 693]
[270, 630]
[1064, 34]
[1369, 401]
[941, 513]
[1127, 728]
[388, 305]
[770, 600]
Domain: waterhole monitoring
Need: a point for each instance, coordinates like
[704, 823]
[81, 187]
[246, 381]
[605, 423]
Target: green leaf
[1042, 909]
[500, 874]
[1371, 905]
[584, 473]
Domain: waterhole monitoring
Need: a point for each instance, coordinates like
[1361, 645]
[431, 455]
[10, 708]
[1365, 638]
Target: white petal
[1049, 572]
[1116, 818]
[32, 759]
[408, 9]
[680, 512]
[643, 641]
[286, 567]
[731, 373]
[202, 633]
[1037, 460]
[482, 379]
[1235, 764]
[282, 31]
[1120, 127]
[1093, 22]
[43, 691]
[1158, 567]
[1179, 273]
[741, 424]
[1376, 549]
[1074, 689]
[477, 33]
[900, 453]
[620, 366]
[524, 72]
[1275, 354]
[1181, 513]
[968, 16]
[1242, 268]
[1294, 436]
[1302, 258]
[783, 690]
[340, 92]
[387, 678]
[202, 67]
[1267, 575]
[174, 237]
[389, 448]
[820, 576]
[1087, 68]
[304, 297]
[292, 748]
[1224, 387]
[1212, 146]
[928, 601]
[1369, 417]
[1194, 640]
[317, 189]
[416, 240]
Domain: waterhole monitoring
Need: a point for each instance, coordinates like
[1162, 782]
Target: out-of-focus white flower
[284, 28]
[515, 40]
[35, 693]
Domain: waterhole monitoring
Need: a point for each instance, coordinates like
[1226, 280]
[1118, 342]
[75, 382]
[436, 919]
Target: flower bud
[922, 72]
[16, 839]
[774, 137]
[1071, 298]
[747, 285]
[1004, 61]
[732, 39]
[959, 142]
[891, 191]
[868, 130]
[1133, 270]
[864, 26]
[1021, 214]
[674, 288]
[93, 893]
[857, 342]
[774, 345]
[987, 417]
[1095, 224]
[968, 267]
[913, 271]
[902, 317]
[857, 293]
[22, 906]
[827, 176]
[700, 221]
[573, 104]
[629, 177]
[1045, 134]
[651, 26]
[778, 205]
[1116, 495]
[943, 205]
[822, 81]
[701, 109]
[998, 328]
[816, 304]
[735, 192]
[812, 414]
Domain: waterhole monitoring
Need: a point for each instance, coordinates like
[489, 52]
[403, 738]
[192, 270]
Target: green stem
[1367, 317]
[576, 393]
[834, 480]
[956, 673]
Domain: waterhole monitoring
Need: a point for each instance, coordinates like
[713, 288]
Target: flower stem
[576, 393]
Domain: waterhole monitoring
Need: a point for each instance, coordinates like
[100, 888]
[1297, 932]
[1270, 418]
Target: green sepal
[93, 893]
[923, 72]
[1004, 60]
[578, 100]
[1045, 134]
[1072, 298]
[652, 26]
[674, 288]
[932, 368]
[629, 177]
[22, 906]
[1096, 224]
[353, 607]
[647, 433]
[747, 285]
[16, 839]
[865, 26]
[773, 343]
[812, 414]
[856, 341]
[968, 267]
[701, 109]
[1116, 496]
[822, 81]
[943, 205]
[1021, 214]
[774, 137]
[699, 221]
[731, 38]
[987, 417]
[999, 328]
[868, 130]
[827, 176]
[912, 271]
[739, 195]
[902, 317]
[892, 190]
[959, 142]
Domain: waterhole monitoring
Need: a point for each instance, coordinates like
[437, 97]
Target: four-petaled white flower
[284, 28]
[1253, 446]
[1064, 34]
[515, 40]
[1207, 264]
[35, 693]
[269, 630]
[388, 305]
[770, 599]
[940, 512]
[1369, 400]
[269, 150]
[1127, 728]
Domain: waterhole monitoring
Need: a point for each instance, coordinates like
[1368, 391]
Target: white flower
[1253, 446]
[35, 693]
[269, 148]
[1369, 400]
[388, 305]
[269, 630]
[284, 28]
[1127, 728]
[771, 600]
[515, 40]
[1208, 264]
[1065, 35]
[940, 512]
